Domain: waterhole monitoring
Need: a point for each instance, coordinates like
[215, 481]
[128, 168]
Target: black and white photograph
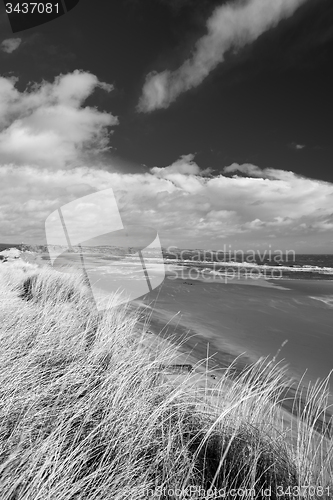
[166, 250]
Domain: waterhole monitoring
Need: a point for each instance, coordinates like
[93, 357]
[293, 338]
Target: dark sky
[259, 104]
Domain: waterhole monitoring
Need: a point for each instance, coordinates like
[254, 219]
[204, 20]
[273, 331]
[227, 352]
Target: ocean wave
[327, 299]
[248, 265]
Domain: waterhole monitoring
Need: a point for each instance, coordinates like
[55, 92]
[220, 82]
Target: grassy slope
[85, 415]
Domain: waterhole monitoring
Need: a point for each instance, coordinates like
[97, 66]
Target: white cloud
[296, 146]
[232, 25]
[10, 44]
[186, 208]
[185, 165]
[47, 124]
[246, 168]
[264, 173]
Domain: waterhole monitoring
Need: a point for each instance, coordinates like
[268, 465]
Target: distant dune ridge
[10, 254]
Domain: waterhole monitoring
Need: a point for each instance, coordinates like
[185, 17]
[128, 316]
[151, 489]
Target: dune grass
[85, 414]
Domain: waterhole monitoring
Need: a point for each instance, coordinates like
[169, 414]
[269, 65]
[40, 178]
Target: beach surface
[290, 320]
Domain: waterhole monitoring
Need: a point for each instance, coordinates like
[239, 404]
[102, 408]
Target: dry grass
[83, 415]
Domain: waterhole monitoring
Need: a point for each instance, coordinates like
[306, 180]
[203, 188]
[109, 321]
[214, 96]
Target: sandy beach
[292, 321]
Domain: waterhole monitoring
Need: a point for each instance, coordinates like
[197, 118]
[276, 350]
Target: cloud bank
[246, 207]
[233, 25]
[47, 124]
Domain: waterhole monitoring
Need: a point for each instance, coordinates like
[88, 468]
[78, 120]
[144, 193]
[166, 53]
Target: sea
[290, 265]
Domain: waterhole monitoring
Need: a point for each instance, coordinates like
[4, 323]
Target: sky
[210, 120]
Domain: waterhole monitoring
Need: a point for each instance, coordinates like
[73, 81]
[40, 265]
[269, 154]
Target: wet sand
[255, 320]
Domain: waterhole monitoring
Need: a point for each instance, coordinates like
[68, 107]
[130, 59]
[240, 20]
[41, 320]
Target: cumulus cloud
[10, 44]
[186, 208]
[246, 168]
[265, 173]
[47, 124]
[184, 165]
[232, 25]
